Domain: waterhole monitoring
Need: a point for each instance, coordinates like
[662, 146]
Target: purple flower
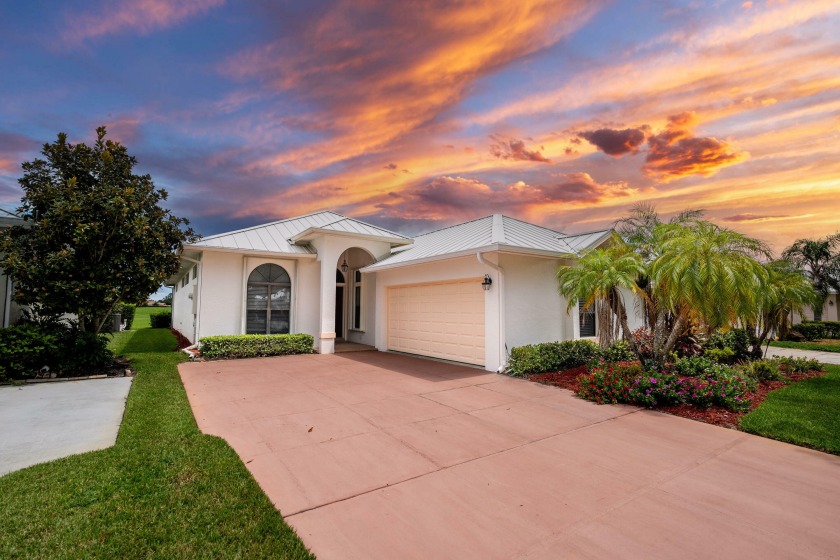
[653, 380]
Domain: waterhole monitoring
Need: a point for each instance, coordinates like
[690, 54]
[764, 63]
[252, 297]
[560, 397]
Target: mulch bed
[716, 415]
[183, 342]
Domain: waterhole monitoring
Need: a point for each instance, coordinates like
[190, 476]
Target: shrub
[816, 330]
[619, 352]
[255, 345]
[644, 342]
[721, 355]
[799, 365]
[743, 344]
[126, 310]
[26, 348]
[763, 370]
[83, 352]
[695, 366]
[551, 356]
[161, 320]
[609, 383]
[728, 391]
[655, 388]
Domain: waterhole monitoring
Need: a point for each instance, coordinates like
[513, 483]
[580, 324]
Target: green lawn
[806, 413]
[831, 347]
[163, 491]
[142, 314]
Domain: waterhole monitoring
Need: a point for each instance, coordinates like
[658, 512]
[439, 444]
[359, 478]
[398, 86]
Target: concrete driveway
[48, 421]
[832, 358]
[376, 455]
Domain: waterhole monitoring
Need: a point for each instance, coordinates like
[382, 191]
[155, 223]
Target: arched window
[269, 299]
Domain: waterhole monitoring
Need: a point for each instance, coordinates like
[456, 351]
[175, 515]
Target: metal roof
[495, 232]
[290, 236]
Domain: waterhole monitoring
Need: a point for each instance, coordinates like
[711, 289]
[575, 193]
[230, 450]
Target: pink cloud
[138, 16]
[616, 142]
[514, 149]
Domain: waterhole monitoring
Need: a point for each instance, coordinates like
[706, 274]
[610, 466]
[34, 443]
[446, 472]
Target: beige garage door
[441, 320]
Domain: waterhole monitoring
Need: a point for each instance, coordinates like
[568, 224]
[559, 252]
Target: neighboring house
[830, 310]
[9, 310]
[466, 293]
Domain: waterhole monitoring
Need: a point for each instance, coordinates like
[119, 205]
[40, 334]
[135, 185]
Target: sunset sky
[415, 115]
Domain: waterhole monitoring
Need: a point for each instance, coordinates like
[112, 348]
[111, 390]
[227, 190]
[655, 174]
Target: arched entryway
[351, 295]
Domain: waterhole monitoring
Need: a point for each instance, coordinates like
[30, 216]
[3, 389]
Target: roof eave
[252, 252]
[495, 248]
[311, 233]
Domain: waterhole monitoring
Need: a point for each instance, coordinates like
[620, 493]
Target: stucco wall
[453, 269]
[534, 311]
[830, 312]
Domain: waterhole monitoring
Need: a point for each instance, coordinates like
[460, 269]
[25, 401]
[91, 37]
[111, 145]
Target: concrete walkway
[824, 357]
[372, 455]
[47, 421]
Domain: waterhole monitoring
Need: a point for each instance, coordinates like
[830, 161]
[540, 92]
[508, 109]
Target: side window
[587, 319]
[357, 300]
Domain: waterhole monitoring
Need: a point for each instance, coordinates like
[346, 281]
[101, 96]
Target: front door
[339, 311]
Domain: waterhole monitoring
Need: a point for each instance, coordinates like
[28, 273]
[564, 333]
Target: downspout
[500, 289]
[198, 303]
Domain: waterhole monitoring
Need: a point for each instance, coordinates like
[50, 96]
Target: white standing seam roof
[280, 237]
[495, 232]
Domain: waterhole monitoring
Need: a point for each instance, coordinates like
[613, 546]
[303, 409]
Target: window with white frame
[358, 307]
[268, 300]
[587, 319]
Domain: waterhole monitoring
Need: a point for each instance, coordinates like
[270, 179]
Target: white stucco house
[466, 293]
[9, 310]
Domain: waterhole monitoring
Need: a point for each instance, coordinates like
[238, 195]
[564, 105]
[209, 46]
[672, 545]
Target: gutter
[500, 289]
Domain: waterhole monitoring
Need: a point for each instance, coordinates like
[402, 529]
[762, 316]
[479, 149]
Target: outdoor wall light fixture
[487, 282]
[831, 302]
[344, 266]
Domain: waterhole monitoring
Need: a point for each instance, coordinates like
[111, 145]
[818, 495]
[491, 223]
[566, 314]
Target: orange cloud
[138, 16]
[377, 72]
[676, 152]
[514, 149]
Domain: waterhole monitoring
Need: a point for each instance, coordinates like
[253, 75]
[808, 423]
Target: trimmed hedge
[161, 320]
[551, 356]
[816, 330]
[255, 345]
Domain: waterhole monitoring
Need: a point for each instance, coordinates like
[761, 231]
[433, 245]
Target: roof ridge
[365, 223]
[215, 235]
[531, 224]
[453, 226]
[586, 232]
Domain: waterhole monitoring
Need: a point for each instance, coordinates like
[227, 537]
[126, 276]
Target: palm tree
[596, 279]
[703, 274]
[820, 259]
[788, 290]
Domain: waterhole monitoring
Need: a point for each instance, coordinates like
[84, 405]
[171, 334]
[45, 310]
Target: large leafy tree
[94, 234]
[820, 259]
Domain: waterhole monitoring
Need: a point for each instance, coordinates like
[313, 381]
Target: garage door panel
[441, 320]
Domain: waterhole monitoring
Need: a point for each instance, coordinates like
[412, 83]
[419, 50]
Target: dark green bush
[25, 349]
[255, 345]
[161, 320]
[126, 311]
[83, 352]
[619, 352]
[551, 356]
[743, 344]
[816, 330]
